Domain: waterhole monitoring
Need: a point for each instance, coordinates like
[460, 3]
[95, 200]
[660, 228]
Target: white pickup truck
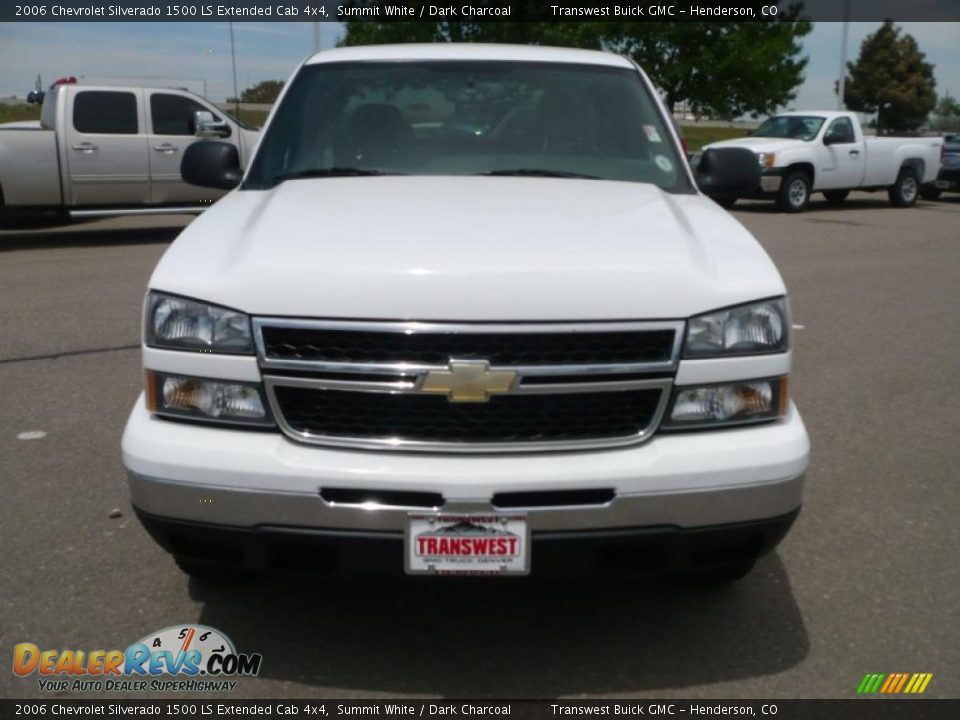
[467, 312]
[820, 151]
[111, 150]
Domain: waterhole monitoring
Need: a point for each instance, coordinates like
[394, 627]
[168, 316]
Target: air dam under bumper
[666, 549]
[247, 479]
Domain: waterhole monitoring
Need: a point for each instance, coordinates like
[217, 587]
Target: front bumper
[658, 549]
[248, 479]
[770, 181]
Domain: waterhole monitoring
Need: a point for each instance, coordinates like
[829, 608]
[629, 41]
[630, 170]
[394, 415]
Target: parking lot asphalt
[867, 581]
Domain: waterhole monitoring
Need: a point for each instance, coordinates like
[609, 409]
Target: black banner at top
[476, 11]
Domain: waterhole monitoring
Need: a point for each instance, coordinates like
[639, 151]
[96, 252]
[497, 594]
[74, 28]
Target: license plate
[942, 184]
[467, 544]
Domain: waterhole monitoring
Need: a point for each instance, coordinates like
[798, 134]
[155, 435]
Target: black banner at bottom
[867, 708]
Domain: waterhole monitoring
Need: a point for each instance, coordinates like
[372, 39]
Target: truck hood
[761, 144]
[467, 248]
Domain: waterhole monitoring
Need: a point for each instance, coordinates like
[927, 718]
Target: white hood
[467, 248]
[761, 144]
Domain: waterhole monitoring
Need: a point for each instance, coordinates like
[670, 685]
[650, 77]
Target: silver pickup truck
[111, 150]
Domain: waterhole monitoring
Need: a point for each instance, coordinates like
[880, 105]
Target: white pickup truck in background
[101, 150]
[812, 151]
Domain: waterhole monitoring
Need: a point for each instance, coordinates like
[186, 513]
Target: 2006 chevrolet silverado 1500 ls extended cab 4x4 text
[467, 312]
[801, 153]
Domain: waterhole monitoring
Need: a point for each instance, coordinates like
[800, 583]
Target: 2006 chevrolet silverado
[467, 312]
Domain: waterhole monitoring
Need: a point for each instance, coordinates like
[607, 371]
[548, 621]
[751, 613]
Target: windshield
[468, 118]
[795, 127]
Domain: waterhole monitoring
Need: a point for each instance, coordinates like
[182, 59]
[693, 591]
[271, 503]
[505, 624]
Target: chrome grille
[365, 384]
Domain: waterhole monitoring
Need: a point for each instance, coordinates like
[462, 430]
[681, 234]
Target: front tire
[794, 194]
[836, 197]
[905, 191]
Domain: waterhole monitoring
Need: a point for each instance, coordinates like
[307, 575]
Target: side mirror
[206, 126]
[212, 164]
[727, 172]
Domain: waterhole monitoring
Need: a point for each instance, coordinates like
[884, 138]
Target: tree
[891, 78]
[721, 69]
[265, 92]
[946, 115]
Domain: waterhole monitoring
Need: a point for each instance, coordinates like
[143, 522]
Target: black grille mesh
[505, 419]
[501, 349]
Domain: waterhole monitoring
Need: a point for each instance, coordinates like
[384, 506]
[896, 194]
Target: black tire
[715, 575]
[208, 572]
[725, 201]
[794, 194]
[906, 190]
[836, 197]
[929, 192]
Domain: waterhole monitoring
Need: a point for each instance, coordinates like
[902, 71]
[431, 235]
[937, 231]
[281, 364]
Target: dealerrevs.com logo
[178, 658]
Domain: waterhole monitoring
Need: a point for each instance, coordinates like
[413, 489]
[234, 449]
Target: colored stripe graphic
[894, 683]
[871, 682]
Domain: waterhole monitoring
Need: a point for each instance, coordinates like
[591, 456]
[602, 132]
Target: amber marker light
[151, 391]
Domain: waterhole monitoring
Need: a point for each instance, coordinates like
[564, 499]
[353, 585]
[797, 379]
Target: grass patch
[17, 113]
[699, 135]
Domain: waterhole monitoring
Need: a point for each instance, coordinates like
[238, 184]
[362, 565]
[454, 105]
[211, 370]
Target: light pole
[236, 92]
[843, 56]
[316, 37]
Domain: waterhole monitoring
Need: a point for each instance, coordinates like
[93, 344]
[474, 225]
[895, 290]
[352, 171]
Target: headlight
[180, 324]
[766, 160]
[744, 330]
[202, 399]
[737, 403]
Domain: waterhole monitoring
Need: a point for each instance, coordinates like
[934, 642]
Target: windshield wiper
[535, 172]
[331, 172]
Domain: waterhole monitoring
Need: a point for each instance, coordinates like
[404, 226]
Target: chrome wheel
[909, 189]
[797, 193]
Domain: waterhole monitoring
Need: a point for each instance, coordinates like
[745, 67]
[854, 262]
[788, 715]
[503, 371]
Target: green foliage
[19, 112]
[722, 69]
[699, 135]
[265, 92]
[946, 115]
[891, 77]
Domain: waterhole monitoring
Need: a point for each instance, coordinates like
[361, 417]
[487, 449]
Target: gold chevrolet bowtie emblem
[468, 381]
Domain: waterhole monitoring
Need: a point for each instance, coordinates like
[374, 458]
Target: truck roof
[469, 51]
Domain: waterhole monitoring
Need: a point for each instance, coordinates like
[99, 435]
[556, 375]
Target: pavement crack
[68, 353]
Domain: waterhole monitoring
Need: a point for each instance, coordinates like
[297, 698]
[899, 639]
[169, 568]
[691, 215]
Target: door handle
[166, 148]
[854, 152]
[85, 147]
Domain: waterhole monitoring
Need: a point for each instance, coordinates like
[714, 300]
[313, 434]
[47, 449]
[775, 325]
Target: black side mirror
[833, 139]
[727, 172]
[213, 164]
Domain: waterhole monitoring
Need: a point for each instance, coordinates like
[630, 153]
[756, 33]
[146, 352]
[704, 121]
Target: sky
[197, 55]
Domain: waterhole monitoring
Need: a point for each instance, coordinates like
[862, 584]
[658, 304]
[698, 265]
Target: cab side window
[841, 131]
[105, 112]
[173, 114]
